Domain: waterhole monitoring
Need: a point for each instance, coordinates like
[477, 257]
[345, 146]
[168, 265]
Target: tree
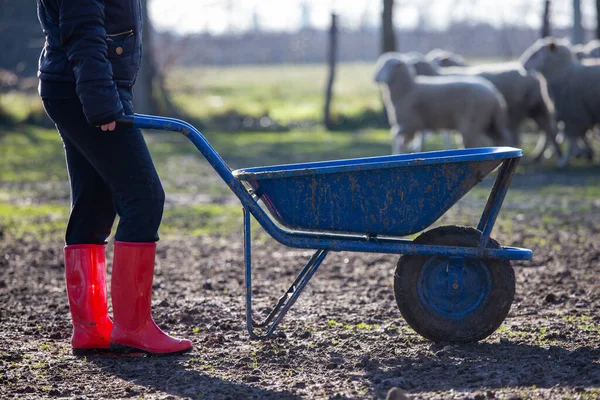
[332, 62]
[21, 37]
[151, 96]
[597, 19]
[546, 19]
[577, 26]
[387, 23]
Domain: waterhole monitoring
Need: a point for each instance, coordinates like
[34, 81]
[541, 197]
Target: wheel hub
[453, 287]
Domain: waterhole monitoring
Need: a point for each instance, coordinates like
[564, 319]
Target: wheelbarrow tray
[395, 195]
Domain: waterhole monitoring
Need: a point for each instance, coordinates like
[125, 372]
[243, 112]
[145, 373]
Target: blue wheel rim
[453, 287]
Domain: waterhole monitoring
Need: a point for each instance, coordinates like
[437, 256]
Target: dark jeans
[110, 173]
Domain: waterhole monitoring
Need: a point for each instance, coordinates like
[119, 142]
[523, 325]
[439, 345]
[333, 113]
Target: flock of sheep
[554, 84]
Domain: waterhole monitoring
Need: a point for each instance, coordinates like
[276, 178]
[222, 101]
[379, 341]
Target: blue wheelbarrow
[452, 283]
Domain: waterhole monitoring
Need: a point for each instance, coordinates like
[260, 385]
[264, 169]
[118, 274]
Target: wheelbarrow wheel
[456, 300]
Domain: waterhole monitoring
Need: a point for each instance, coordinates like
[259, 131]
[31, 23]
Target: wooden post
[388, 40]
[546, 19]
[332, 62]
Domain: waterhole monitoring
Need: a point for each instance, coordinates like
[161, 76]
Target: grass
[31, 154]
[285, 93]
[33, 177]
[34, 188]
[201, 219]
[34, 185]
[41, 220]
[21, 106]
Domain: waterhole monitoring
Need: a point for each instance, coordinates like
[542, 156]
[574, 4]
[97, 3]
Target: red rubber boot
[85, 273]
[134, 329]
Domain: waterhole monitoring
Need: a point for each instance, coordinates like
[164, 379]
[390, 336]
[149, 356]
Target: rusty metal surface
[390, 200]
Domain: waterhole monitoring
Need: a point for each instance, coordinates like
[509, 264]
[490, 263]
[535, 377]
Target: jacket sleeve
[84, 37]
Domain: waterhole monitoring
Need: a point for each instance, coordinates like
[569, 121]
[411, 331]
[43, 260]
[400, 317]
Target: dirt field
[344, 338]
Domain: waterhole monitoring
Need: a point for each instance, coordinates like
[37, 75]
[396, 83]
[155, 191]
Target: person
[87, 69]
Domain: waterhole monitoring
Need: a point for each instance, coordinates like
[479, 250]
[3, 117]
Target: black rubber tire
[476, 325]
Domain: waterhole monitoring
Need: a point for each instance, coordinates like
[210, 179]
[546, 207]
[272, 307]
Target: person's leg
[134, 329]
[133, 273]
[85, 276]
[92, 215]
[123, 168]
[92, 210]
[123, 161]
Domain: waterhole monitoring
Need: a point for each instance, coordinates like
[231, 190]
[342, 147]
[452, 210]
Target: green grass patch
[43, 220]
[32, 168]
[201, 220]
[20, 105]
[286, 93]
[255, 149]
[31, 154]
[32, 165]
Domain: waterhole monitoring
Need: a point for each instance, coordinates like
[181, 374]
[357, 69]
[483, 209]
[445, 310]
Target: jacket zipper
[120, 33]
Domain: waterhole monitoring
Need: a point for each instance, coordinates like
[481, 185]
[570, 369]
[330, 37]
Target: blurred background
[275, 54]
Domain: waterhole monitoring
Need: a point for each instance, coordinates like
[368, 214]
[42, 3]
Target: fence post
[332, 64]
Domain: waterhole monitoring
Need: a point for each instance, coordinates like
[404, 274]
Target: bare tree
[388, 42]
[331, 61]
[577, 26]
[546, 19]
[597, 19]
[150, 94]
[21, 37]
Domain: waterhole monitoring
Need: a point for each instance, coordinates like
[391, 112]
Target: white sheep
[525, 94]
[426, 68]
[470, 105]
[444, 58]
[573, 86]
[578, 51]
[590, 50]
[422, 67]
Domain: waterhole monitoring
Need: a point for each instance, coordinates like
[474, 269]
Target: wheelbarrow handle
[167, 125]
[126, 120]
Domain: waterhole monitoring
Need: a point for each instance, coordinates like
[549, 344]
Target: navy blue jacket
[92, 47]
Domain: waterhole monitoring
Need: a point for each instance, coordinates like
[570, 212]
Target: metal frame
[268, 325]
[323, 242]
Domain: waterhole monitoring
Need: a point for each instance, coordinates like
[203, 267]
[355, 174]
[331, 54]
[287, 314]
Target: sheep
[578, 51]
[471, 105]
[426, 68]
[573, 86]
[525, 94]
[444, 58]
[423, 67]
[590, 50]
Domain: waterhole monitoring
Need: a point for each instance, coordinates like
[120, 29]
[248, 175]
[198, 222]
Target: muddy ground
[344, 338]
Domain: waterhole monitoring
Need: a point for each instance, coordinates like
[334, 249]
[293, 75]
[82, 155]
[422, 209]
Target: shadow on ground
[490, 365]
[171, 376]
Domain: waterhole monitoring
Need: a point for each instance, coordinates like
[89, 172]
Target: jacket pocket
[120, 44]
[124, 54]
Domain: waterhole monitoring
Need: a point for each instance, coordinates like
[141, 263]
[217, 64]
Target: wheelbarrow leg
[286, 301]
[494, 202]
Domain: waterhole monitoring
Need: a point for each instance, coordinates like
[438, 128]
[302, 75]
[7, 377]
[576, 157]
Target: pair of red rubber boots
[133, 329]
